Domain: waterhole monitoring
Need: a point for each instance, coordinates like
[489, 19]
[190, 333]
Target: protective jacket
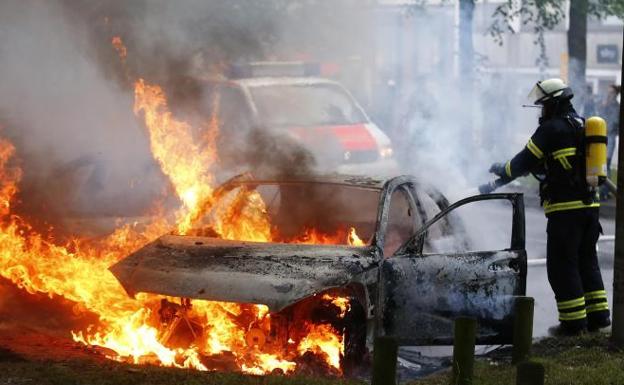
[556, 150]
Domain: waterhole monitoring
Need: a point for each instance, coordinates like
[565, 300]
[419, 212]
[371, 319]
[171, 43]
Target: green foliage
[544, 15]
[603, 8]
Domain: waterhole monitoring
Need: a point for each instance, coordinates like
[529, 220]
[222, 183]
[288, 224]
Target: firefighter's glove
[498, 169]
[487, 188]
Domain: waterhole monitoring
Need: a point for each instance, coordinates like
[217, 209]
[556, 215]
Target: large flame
[152, 328]
[178, 153]
[130, 327]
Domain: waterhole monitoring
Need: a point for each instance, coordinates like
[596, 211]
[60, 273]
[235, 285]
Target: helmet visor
[536, 95]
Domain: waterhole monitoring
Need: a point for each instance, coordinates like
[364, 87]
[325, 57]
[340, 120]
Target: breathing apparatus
[549, 94]
[595, 151]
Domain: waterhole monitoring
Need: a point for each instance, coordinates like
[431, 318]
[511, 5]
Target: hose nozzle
[491, 186]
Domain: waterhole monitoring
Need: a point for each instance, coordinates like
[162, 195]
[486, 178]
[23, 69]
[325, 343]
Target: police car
[290, 99]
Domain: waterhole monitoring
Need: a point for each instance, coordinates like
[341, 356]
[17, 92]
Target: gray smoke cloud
[81, 147]
[66, 97]
[449, 138]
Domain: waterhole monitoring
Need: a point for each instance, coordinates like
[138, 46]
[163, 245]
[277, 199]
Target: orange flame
[322, 339]
[119, 46]
[180, 157]
[128, 326]
[135, 329]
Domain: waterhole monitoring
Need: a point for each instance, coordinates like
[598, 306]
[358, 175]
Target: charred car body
[396, 283]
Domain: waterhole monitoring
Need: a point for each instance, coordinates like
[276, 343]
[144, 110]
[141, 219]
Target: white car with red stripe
[319, 113]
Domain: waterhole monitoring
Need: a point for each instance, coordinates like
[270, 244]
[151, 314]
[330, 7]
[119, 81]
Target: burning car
[318, 266]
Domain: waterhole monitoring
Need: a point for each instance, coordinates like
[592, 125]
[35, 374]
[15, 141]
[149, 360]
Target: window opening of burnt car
[448, 234]
[304, 212]
[439, 229]
[403, 219]
[305, 105]
[481, 225]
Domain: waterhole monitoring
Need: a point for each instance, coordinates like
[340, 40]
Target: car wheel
[355, 351]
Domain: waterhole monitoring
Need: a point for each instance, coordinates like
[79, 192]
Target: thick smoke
[452, 131]
[66, 96]
[449, 133]
[82, 148]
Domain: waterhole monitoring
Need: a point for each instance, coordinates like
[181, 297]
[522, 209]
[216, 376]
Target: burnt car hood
[276, 275]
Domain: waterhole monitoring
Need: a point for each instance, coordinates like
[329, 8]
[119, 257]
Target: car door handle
[505, 264]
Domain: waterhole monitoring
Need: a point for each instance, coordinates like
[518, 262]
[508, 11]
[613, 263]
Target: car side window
[475, 226]
[439, 229]
[402, 220]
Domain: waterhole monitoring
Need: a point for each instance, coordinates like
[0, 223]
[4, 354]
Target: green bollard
[522, 329]
[530, 373]
[463, 350]
[385, 354]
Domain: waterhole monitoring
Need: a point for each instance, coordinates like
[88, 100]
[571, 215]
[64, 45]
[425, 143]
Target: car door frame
[378, 240]
[384, 208]
[413, 248]
[518, 228]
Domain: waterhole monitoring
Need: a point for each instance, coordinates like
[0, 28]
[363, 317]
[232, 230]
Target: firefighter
[556, 151]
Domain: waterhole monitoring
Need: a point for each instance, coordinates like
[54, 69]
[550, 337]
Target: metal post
[385, 354]
[522, 329]
[530, 373]
[463, 350]
[617, 330]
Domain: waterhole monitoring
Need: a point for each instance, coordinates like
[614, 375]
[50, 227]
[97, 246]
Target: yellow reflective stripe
[564, 152]
[597, 307]
[565, 164]
[573, 316]
[596, 294]
[508, 169]
[561, 206]
[534, 149]
[571, 303]
[561, 155]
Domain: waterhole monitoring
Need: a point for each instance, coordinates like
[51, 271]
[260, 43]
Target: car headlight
[386, 152]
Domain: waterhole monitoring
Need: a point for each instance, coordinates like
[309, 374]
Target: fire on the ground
[257, 276]
[171, 331]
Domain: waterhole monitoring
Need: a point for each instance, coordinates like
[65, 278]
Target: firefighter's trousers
[573, 270]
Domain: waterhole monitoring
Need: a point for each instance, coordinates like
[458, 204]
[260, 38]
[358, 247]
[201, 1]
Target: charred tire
[354, 339]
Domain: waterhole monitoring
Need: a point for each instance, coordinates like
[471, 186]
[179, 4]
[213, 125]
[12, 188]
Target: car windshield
[299, 212]
[309, 105]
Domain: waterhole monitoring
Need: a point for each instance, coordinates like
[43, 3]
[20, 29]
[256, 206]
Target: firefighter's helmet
[549, 90]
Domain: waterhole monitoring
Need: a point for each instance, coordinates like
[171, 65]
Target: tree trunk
[466, 46]
[577, 47]
[617, 329]
[466, 70]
